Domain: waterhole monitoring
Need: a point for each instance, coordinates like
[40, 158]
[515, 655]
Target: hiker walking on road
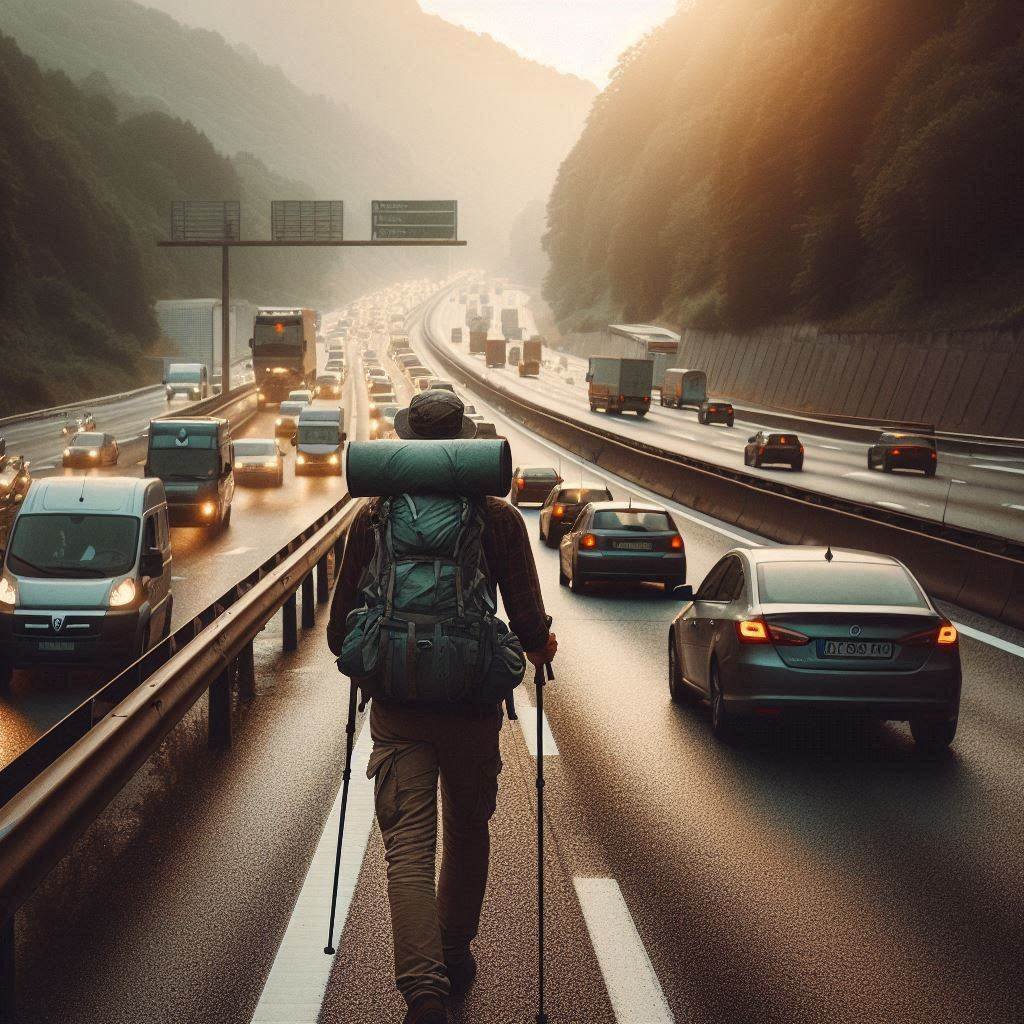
[452, 553]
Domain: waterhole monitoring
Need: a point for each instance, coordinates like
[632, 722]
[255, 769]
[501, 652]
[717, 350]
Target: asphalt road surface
[807, 874]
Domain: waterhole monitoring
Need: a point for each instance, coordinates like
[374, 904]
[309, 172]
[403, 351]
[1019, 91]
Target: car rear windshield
[73, 546]
[784, 439]
[581, 495]
[87, 440]
[838, 583]
[255, 448]
[913, 441]
[539, 474]
[632, 521]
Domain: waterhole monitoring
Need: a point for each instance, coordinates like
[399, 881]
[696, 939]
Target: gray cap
[433, 415]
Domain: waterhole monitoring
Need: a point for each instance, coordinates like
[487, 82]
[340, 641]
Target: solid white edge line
[295, 988]
[993, 641]
[527, 714]
[629, 977]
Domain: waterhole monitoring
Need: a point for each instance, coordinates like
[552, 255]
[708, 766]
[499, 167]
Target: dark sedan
[904, 451]
[533, 484]
[793, 629]
[716, 412]
[88, 449]
[765, 449]
[562, 506]
[613, 540]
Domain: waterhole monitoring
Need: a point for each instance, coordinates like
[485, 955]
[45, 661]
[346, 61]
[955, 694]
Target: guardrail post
[247, 674]
[308, 608]
[288, 621]
[339, 550]
[323, 589]
[8, 1007]
[220, 710]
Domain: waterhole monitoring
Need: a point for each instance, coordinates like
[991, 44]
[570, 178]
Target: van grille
[75, 627]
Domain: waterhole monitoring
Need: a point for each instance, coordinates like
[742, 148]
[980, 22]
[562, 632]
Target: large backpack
[427, 630]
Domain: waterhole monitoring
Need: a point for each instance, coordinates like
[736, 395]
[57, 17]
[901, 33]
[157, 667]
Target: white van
[318, 441]
[187, 380]
[85, 579]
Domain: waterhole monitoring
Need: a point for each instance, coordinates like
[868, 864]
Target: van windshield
[326, 434]
[180, 375]
[184, 463]
[73, 546]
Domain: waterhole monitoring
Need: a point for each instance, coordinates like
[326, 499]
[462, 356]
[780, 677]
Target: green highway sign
[414, 218]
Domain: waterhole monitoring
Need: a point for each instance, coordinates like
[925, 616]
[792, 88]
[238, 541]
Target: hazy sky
[580, 36]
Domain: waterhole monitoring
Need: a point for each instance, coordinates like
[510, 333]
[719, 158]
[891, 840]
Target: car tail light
[752, 631]
[761, 450]
[783, 637]
[945, 636]
[588, 540]
[676, 543]
[934, 455]
[948, 636]
[520, 483]
[622, 398]
[895, 451]
[558, 511]
[801, 449]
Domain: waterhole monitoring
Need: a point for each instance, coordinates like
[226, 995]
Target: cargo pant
[411, 751]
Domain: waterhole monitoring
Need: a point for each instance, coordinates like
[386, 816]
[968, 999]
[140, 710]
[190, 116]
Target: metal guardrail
[61, 784]
[979, 571]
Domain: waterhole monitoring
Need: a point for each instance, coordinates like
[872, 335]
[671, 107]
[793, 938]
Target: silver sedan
[787, 629]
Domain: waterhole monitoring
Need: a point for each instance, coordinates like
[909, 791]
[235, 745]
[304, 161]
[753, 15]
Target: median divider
[977, 571]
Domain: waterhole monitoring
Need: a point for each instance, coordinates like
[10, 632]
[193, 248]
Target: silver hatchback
[772, 631]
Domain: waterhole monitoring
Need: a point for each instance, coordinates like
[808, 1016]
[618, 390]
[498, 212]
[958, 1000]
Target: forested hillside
[84, 195]
[763, 161]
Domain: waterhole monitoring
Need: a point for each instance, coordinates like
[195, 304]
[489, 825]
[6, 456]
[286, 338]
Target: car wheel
[932, 738]
[676, 686]
[886, 466]
[670, 585]
[6, 674]
[576, 582]
[746, 457]
[721, 721]
[593, 408]
[549, 541]
[729, 423]
[641, 413]
[930, 471]
[227, 518]
[798, 465]
[757, 462]
[871, 464]
[562, 578]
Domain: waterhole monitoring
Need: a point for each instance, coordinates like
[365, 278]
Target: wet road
[807, 874]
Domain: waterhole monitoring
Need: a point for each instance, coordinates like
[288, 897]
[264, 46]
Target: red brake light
[588, 540]
[520, 482]
[934, 456]
[787, 637]
[761, 450]
[895, 451]
[676, 543]
[622, 398]
[558, 511]
[752, 631]
[801, 449]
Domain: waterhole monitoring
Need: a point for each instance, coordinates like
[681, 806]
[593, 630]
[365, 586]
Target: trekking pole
[538, 682]
[350, 729]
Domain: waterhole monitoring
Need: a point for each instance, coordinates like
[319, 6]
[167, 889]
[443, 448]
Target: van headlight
[207, 508]
[300, 459]
[124, 593]
[333, 460]
[8, 591]
[278, 421]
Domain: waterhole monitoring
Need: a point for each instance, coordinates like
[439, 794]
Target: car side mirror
[344, 437]
[227, 468]
[751, 440]
[151, 563]
[684, 592]
[252, 343]
[589, 377]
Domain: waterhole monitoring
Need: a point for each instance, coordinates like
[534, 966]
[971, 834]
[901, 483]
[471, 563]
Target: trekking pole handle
[541, 671]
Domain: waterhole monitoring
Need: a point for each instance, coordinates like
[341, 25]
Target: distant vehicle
[533, 483]
[514, 357]
[766, 448]
[904, 451]
[478, 328]
[613, 540]
[407, 359]
[76, 424]
[416, 373]
[620, 385]
[456, 335]
[440, 384]
[318, 441]
[15, 480]
[529, 364]
[259, 460]
[791, 629]
[509, 322]
[288, 418]
[187, 380]
[494, 353]
[194, 458]
[301, 395]
[398, 343]
[91, 449]
[328, 385]
[334, 366]
[86, 580]
[422, 383]
[680, 388]
[382, 420]
[486, 429]
[283, 352]
[716, 412]
[562, 506]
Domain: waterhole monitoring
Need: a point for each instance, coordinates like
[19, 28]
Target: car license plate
[56, 645]
[857, 649]
[633, 545]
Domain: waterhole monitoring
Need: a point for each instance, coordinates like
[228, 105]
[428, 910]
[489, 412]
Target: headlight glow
[207, 508]
[270, 465]
[93, 454]
[8, 592]
[67, 451]
[300, 459]
[279, 421]
[124, 593]
[238, 465]
[333, 460]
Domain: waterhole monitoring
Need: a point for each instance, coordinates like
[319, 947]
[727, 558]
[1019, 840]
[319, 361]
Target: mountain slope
[857, 165]
[482, 123]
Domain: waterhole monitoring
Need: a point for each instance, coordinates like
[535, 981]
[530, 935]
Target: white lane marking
[830, 447]
[127, 440]
[235, 551]
[993, 641]
[633, 987]
[44, 465]
[959, 481]
[861, 474]
[176, 578]
[1018, 508]
[295, 988]
[997, 469]
[527, 712]
[891, 504]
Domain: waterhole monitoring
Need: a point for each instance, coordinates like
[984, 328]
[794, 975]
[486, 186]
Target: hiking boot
[426, 1010]
[461, 972]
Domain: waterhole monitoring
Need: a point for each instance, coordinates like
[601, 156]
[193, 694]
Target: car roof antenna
[828, 553]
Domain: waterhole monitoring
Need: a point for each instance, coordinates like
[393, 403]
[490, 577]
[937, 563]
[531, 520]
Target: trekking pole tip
[330, 950]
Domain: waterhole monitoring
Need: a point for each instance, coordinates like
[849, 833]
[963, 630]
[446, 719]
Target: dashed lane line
[997, 469]
[633, 988]
[295, 988]
[527, 712]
